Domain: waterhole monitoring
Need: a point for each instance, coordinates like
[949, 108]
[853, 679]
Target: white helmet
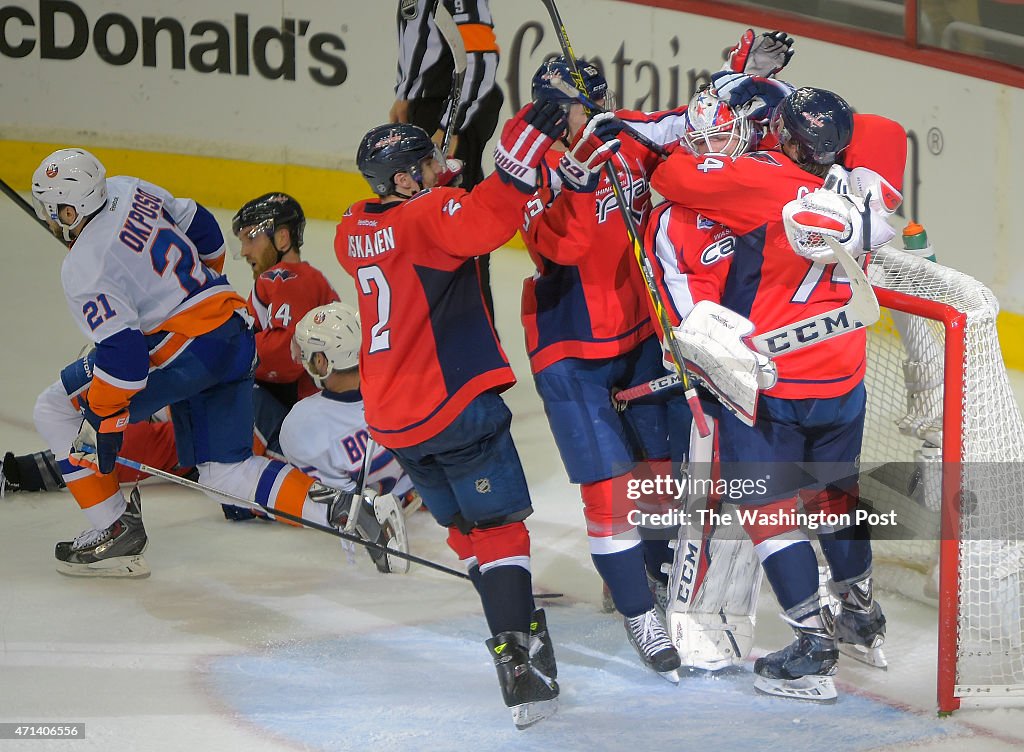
[73, 177]
[713, 127]
[333, 330]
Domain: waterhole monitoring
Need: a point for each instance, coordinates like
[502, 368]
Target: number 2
[380, 334]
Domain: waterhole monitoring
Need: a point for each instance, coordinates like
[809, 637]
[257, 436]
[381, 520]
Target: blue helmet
[542, 90]
[390, 149]
[819, 122]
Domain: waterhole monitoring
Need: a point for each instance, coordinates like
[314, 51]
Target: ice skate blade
[812, 688]
[873, 657]
[670, 676]
[529, 713]
[118, 566]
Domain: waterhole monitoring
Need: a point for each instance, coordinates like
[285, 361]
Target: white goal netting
[919, 419]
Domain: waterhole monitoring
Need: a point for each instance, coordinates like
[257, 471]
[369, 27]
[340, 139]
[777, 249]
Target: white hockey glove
[755, 97]
[843, 217]
[524, 141]
[863, 182]
[580, 168]
[762, 55]
[710, 340]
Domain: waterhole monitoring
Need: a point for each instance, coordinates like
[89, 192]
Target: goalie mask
[69, 177]
[818, 122]
[397, 147]
[333, 330]
[713, 127]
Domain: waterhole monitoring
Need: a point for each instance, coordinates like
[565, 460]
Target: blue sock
[657, 552]
[793, 574]
[848, 551]
[626, 578]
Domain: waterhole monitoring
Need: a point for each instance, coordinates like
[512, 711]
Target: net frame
[966, 310]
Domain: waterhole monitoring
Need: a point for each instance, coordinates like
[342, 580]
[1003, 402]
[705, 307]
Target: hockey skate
[378, 519]
[647, 634]
[530, 694]
[113, 552]
[859, 625]
[804, 669]
[542, 649]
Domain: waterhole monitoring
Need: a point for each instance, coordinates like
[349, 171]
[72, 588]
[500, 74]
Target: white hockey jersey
[138, 286]
[325, 435]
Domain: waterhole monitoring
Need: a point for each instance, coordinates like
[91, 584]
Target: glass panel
[882, 16]
[985, 28]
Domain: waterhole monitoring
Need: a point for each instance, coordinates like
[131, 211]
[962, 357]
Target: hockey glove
[99, 441]
[451, 176]
[753, 96]
[762, 55]
[524, 141]
[846, 218]
[580, 168]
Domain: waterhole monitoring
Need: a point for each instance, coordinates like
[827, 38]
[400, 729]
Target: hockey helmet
[333, 330]
[594, 81]
[818, 121]
[389, 149]
[268, 212]
[69, 177]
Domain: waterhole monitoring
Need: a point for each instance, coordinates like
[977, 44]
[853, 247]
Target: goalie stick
[860, 311]
[450, 31]
[699, 419]
[157, 472]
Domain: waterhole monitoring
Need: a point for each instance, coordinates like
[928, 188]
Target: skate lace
[649, 633]
[88, 538]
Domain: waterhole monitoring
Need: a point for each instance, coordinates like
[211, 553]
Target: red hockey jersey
[429, 346]
[587, 298]
[766, 281]
[281, 296]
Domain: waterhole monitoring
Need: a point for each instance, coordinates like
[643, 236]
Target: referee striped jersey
[425, 64]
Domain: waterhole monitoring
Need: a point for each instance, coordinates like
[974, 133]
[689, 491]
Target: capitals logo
[278, 274]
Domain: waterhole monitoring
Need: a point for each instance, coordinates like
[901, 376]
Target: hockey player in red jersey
[588, 332]
[810, 411]
[431, 367]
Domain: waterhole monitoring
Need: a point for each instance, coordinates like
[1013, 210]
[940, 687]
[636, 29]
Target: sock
[625, 575]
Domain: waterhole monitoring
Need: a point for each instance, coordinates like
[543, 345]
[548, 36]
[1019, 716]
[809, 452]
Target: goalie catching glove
[710, 341]
[580, 168]
[524, 141]
[763, 55]
[855, 225]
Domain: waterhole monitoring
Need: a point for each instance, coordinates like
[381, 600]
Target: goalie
[801, 437]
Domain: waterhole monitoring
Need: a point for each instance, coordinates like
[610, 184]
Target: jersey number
[283, 314]
[380, 334]
[97, 311]
[813, 277]
[184, 268]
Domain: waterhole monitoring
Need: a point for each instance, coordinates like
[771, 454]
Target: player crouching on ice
[796, 412]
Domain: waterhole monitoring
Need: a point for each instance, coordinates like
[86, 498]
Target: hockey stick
[155, 471]
[642, 260]
[450, 31]
[22, 203]
[149, 470]
[364, 473]
[861, 311]
[569, 90]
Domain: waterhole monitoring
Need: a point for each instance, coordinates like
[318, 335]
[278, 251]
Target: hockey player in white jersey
[325, 434]
[142, 280]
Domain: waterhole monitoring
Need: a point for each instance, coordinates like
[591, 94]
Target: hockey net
[944, 447]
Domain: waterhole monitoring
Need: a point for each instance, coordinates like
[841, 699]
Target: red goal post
[940, 407]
